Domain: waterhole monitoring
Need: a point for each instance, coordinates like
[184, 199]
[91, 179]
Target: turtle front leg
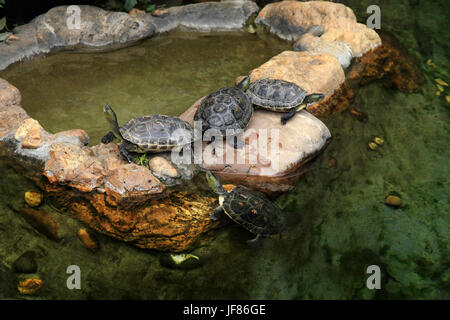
[107, 138]
[257, 242]
[124, 151]
[287, 116]
[217, 214]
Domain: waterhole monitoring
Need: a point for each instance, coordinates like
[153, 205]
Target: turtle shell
[253, 211]
[228, 108]
[275, 95]
[157, 132]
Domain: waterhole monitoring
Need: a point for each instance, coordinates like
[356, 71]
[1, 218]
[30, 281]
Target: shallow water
[338, 223]
[163, 75]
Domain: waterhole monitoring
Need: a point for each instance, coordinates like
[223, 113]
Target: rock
[372, 146]
[11, 114]
[208, 16]
[104, 29]
[100, 168]
[136, 12]
[332, 162]
[290, 19]
[30, 286]
[26, 263]
[42, 222]
[299, 141]
[359, 115]
[30, 134]
[89, 241]
[317, 46]
[176, 223]
[393, 201]
[390, 61]
[378, 141]
[180, 261]
[315, 74]
[162, 167]
[160, 13]
[33, 199]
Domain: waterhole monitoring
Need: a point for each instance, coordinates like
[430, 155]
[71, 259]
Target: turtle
[226, 112]
[280, 96]
[152, 133]
[249, 208]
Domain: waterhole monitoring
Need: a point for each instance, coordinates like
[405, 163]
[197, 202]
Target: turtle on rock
[226, 112]
[251, 209]
[280, 96]
[153, 133]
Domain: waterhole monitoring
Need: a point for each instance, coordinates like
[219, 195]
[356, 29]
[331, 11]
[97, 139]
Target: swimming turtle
[153, 133]
[280, 96]
[226, 112]
[251, 209]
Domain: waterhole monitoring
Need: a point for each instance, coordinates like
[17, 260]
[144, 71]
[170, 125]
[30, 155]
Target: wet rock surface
[175, 223]
[290, 19]
[99, 28]
[317, 46]
[277, 165]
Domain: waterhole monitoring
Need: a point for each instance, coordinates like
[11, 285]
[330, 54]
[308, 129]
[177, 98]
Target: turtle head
[214, 183]
[315, 97]
[112, 120]
[243, 85]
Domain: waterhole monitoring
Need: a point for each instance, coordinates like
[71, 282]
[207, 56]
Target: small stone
[361, 116]
[162, 167]
[393, 201]
[26, 263]
[378, 141]
[160, 13]
[332, 162]
[88, 240]
[441, 82]
[180, 261]
[136, 12]
[33, 199]
[30, 286]
[41, 221]
[353, 75]
[373, 146]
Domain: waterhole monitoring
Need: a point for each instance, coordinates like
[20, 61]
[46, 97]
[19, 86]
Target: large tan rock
[101, 169]
[274, 155]
[290, 19]
[315, 74]
[30, 133]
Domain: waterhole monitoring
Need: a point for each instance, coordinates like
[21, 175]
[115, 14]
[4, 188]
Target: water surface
[166, 74]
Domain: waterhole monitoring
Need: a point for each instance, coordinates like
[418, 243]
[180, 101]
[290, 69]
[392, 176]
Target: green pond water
[164, 75]
[338, 223]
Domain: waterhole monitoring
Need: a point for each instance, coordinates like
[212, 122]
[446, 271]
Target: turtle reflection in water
[154, 133]
[251, 209]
